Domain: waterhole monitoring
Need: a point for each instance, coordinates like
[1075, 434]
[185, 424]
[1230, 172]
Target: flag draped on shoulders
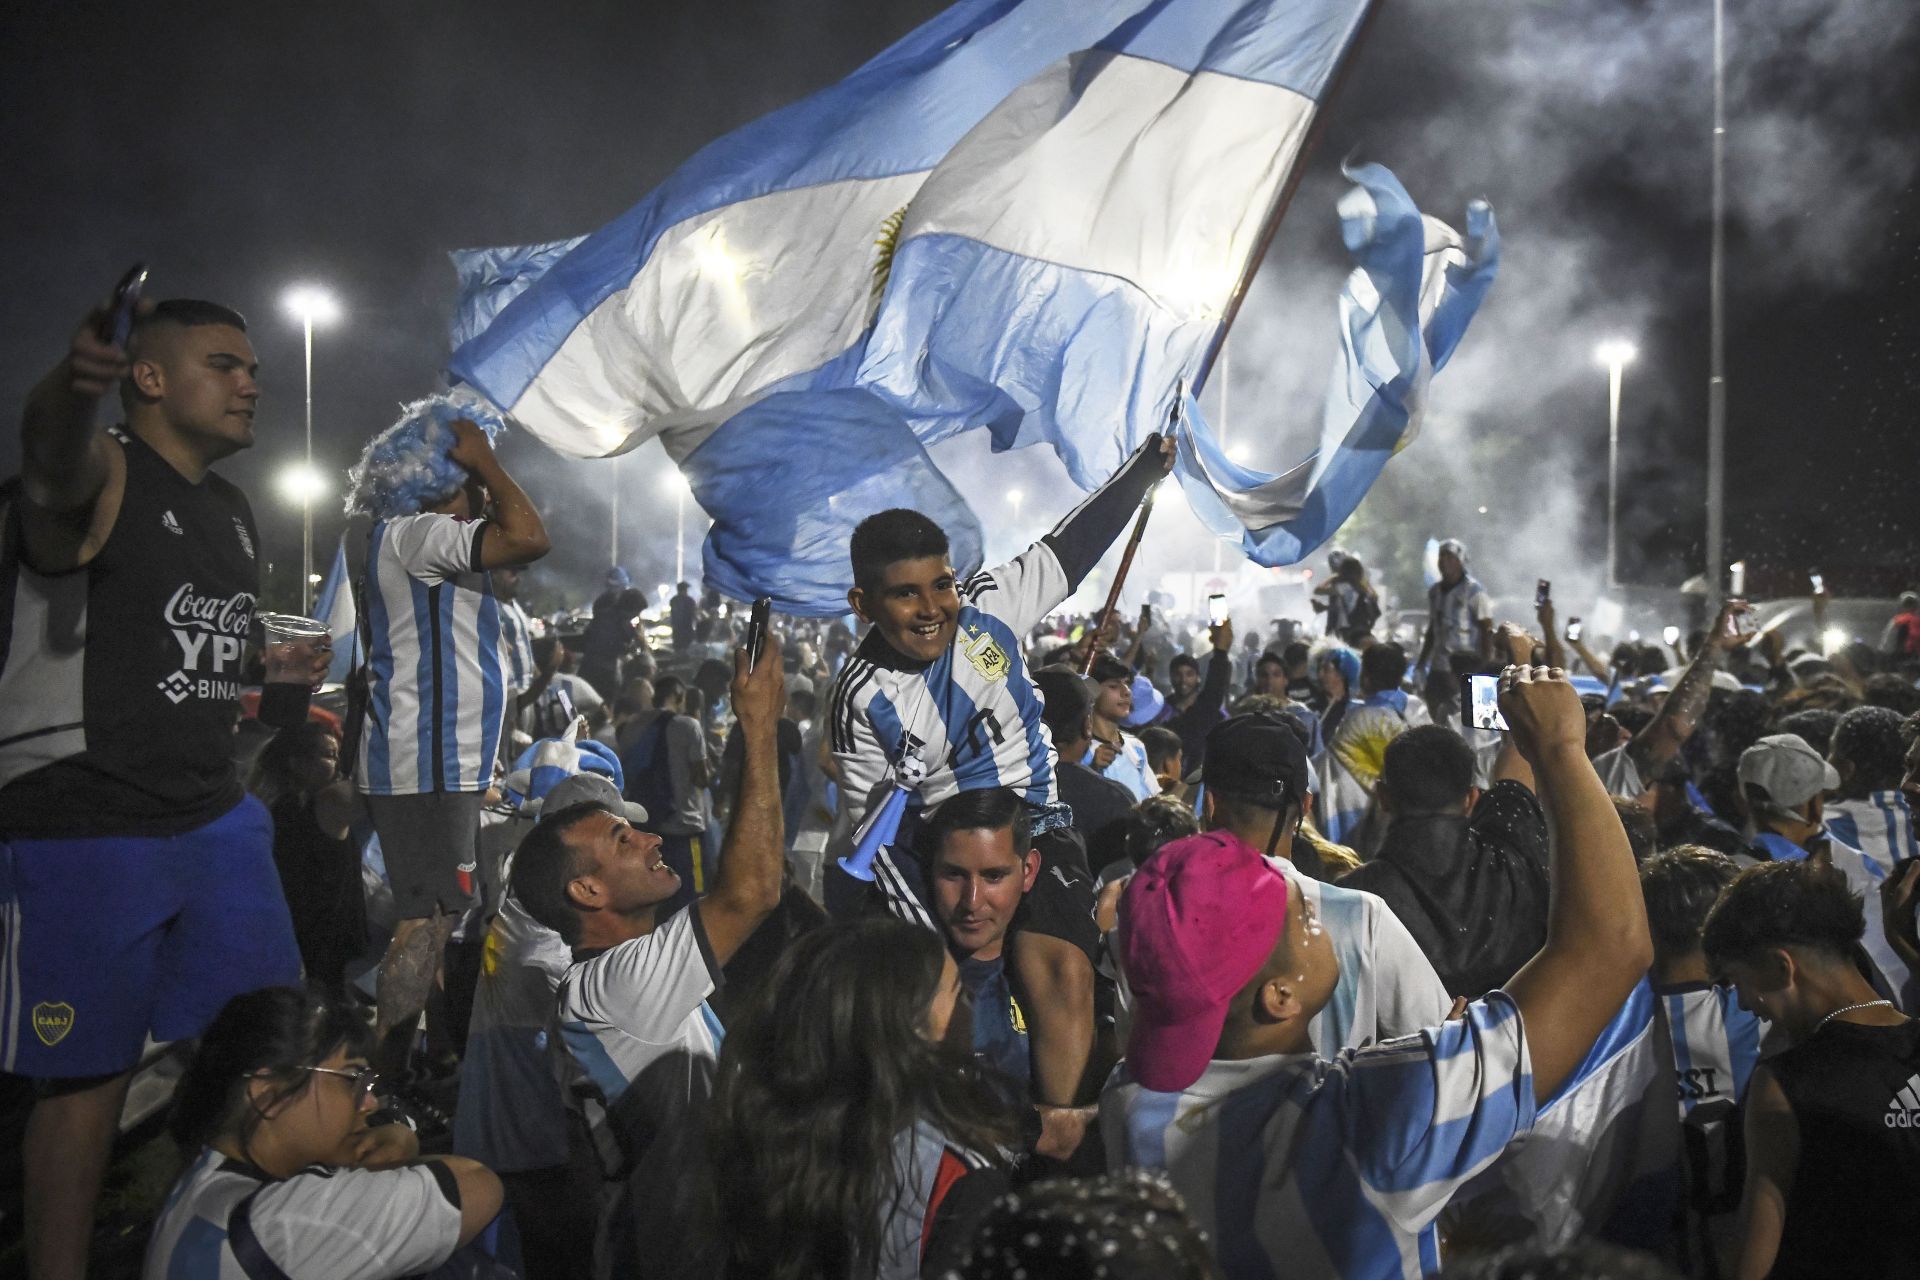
[1028, 215]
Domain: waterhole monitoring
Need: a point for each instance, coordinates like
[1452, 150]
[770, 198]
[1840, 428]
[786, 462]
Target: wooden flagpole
[1267, 233]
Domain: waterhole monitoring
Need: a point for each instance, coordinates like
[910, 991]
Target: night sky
[240, 149]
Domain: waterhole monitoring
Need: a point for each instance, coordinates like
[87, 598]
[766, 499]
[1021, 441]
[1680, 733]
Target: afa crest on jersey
[986, 655]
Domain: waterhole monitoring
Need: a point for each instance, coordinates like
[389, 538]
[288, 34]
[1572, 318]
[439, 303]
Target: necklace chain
[1850, 1008]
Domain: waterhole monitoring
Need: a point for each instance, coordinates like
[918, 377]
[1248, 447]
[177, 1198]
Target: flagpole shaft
[1119, 581]
[1267, 233]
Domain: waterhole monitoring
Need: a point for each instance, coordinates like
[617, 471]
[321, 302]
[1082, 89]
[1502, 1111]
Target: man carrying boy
[941, 681]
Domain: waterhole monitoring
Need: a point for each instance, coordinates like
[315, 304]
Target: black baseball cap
[1258, 757]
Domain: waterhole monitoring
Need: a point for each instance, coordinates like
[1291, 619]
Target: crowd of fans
[959, 936]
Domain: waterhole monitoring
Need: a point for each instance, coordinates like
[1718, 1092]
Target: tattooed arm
[1680, 714]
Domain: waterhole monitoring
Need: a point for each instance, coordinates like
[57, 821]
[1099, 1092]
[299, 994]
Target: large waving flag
[1028, 215]
[1404, 308]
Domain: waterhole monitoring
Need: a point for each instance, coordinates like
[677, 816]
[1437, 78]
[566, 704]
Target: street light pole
[1717, 329]
[313, 306]
[1615, 355]
[306, 500]
[679, 529]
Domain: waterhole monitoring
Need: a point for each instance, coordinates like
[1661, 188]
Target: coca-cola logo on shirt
[231, 615]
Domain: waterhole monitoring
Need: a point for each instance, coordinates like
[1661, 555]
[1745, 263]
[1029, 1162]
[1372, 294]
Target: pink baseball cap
[1198, 921]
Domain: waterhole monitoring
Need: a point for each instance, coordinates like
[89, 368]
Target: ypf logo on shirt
[1904, 1111]
[51, 1021]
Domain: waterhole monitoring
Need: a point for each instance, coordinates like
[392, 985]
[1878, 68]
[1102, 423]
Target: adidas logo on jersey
[170, 524]
[1904, 1111]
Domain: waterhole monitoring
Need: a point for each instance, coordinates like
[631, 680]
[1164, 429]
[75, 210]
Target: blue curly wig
[406, 467]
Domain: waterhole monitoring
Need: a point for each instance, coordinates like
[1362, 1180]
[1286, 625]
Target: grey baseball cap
[1787, 769]
[584, 788]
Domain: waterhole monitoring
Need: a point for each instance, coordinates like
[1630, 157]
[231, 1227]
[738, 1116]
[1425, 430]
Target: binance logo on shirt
[986, 655]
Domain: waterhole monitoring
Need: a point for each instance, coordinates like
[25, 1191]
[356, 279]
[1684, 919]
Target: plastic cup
[292, 644]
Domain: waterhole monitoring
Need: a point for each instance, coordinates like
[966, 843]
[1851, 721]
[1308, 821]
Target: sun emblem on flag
[884, 244]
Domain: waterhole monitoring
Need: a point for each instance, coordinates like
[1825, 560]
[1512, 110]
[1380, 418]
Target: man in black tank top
[1833, 1123]
[136, 877]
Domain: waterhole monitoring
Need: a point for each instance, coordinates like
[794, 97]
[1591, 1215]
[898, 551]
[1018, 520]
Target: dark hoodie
[1471, 890]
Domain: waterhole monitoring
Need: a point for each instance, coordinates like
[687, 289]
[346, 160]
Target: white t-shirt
[320, 1222]
[1298, 1166]
[637, 1043]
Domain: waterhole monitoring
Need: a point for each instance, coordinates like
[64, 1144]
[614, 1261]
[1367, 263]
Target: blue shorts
[109, 938]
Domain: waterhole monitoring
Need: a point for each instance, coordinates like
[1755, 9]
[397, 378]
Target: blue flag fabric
[1028, 216]
[1406, 305]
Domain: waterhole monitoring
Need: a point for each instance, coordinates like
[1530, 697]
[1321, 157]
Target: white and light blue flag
[334, 606]
[1027, 215]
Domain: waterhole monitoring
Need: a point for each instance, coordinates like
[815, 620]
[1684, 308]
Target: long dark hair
[815, 1084]
[275, 771]
[270, 1034]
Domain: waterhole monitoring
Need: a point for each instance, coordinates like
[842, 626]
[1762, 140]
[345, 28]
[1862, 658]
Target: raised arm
[515, 533]
[1670, 728]
[753, 855]
[71, 473]
[1213, 690]
[1079, 540]
[1556, 652]
[1510, 765]
[1597, 945]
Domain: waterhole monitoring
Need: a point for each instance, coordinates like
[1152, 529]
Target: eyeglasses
[365, 1079]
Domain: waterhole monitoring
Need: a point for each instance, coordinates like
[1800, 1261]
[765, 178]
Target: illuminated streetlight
[1616, 354]
[302, 483]
[311, 305]
[677, 483]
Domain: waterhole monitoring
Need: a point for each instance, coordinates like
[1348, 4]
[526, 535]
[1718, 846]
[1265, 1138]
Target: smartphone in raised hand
[1573, 630]
[117, 326]
[1216, 609]
[757, 630]
[1670, 636]
[1480, 702]
[1542, 593]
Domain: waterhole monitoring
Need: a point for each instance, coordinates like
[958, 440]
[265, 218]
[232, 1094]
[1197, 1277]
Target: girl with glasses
[285, 1176]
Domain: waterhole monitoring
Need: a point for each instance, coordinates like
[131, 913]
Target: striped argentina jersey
[1880, 827]
[225, 1220]
[1716, 1043]
[1300, 1167]
[973, 715]
[436, 696]
[1603, 1156]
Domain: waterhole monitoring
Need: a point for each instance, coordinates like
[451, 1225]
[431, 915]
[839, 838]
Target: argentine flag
[1028, 215]
[334, 606]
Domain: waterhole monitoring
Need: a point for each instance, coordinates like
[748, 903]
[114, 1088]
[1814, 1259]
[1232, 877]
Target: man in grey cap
[1459, 611]
[1783, 785]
